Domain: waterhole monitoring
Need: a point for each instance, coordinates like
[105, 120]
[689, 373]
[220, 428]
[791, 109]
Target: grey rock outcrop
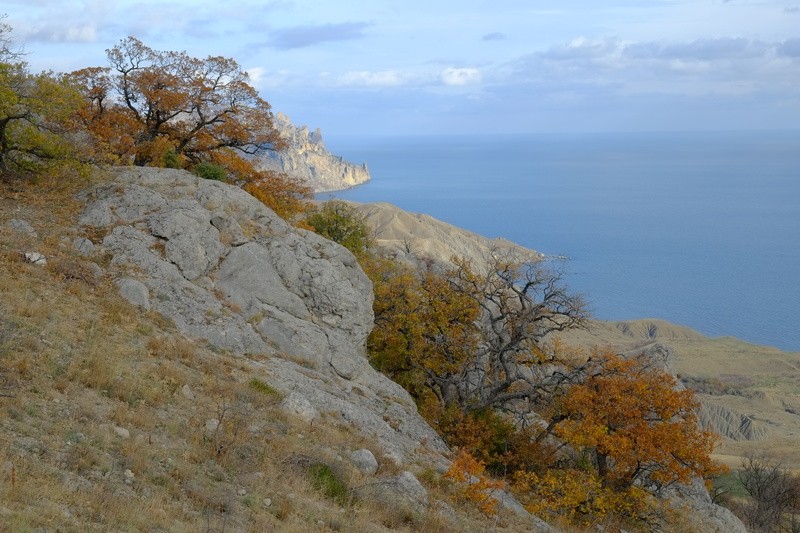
[22, 226]
[706, 516]
[403, 492]
[226, 269]
[306, 158]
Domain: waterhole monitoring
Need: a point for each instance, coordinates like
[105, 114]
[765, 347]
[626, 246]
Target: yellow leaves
[476, 487]
[629, 413]
[577, 495]
[284, 195]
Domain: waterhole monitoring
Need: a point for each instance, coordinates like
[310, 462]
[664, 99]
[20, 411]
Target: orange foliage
[199, 106]
[476, 486]
[638, 427]
[284, 195]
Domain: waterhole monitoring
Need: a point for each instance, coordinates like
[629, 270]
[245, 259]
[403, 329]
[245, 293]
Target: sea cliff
[307, 158]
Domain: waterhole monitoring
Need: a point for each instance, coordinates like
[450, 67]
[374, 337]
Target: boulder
[364, 461]
[403, 492]
[226, 269]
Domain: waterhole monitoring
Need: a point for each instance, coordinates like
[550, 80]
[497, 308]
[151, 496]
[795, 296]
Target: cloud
[304, 36]
[722, 66]
[460, 76]
[791, 9]
[700, 49]
[60, 33]
[494, 36]
[383, 78]
[790, 48]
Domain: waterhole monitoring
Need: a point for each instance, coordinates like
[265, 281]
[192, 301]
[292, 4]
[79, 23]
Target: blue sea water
[701, 229]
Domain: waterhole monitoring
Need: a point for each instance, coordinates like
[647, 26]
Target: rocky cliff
[226, 269]
[306, 158]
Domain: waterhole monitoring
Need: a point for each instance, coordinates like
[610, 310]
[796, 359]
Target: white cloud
[59, 33]
[460, 76]
[381, 78]
[256, 74]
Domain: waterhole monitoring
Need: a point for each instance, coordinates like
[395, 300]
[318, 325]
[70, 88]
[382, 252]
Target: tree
[522, 302]
[343, 224]
[7, 52]
[637, 428]
[194, 107]
[476, 338]
[774, 491]
[36, 119]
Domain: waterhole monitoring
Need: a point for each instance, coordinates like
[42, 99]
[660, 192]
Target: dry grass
[97, 432]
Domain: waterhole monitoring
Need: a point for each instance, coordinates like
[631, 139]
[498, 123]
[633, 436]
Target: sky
[372, 67]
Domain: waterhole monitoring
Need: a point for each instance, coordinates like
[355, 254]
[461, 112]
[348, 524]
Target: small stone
[364, 461]
[241, 492]
[36, 258]
[212, 424]
[299, 406]
[135, 292]
[129, 477]
[267, 502]
[122, 432]
[22, 226]
[187, 392]
[83, 245]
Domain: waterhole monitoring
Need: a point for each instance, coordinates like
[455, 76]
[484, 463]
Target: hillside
[175, 357]
[750, 393]
[186, 361]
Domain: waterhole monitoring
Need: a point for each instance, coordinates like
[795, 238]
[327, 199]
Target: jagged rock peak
[306, 158]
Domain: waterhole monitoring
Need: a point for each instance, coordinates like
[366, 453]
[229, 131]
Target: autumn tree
[635, 425]
[193, 107]
[36, 115]
[170, 109]
[477, 335]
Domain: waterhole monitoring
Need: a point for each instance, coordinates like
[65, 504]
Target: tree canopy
[172, 102]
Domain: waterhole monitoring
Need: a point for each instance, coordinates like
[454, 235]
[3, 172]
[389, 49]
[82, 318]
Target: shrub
[210, 171]
[343, 224]
[325, 480]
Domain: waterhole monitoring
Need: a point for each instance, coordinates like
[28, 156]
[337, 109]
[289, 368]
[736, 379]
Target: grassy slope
[78, 365]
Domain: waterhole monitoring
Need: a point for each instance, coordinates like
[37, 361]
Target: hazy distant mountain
[307, 158]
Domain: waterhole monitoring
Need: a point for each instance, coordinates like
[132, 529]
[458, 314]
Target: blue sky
[364, 67]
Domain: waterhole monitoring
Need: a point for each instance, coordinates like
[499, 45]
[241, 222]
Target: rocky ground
[175, 357]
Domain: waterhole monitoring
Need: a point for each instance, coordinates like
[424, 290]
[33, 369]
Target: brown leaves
[637, 425]
[199, 105]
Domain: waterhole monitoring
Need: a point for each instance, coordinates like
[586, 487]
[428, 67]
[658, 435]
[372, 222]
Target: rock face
[226, 269]
[306, 158]
[730, 423]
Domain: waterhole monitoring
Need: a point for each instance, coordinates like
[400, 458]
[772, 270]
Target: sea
[700, 229]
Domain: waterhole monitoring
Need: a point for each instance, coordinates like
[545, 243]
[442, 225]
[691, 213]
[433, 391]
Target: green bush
[210, 171]
[343, 224]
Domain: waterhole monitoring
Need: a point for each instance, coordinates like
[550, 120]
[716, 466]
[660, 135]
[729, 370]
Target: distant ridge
[306, 158]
